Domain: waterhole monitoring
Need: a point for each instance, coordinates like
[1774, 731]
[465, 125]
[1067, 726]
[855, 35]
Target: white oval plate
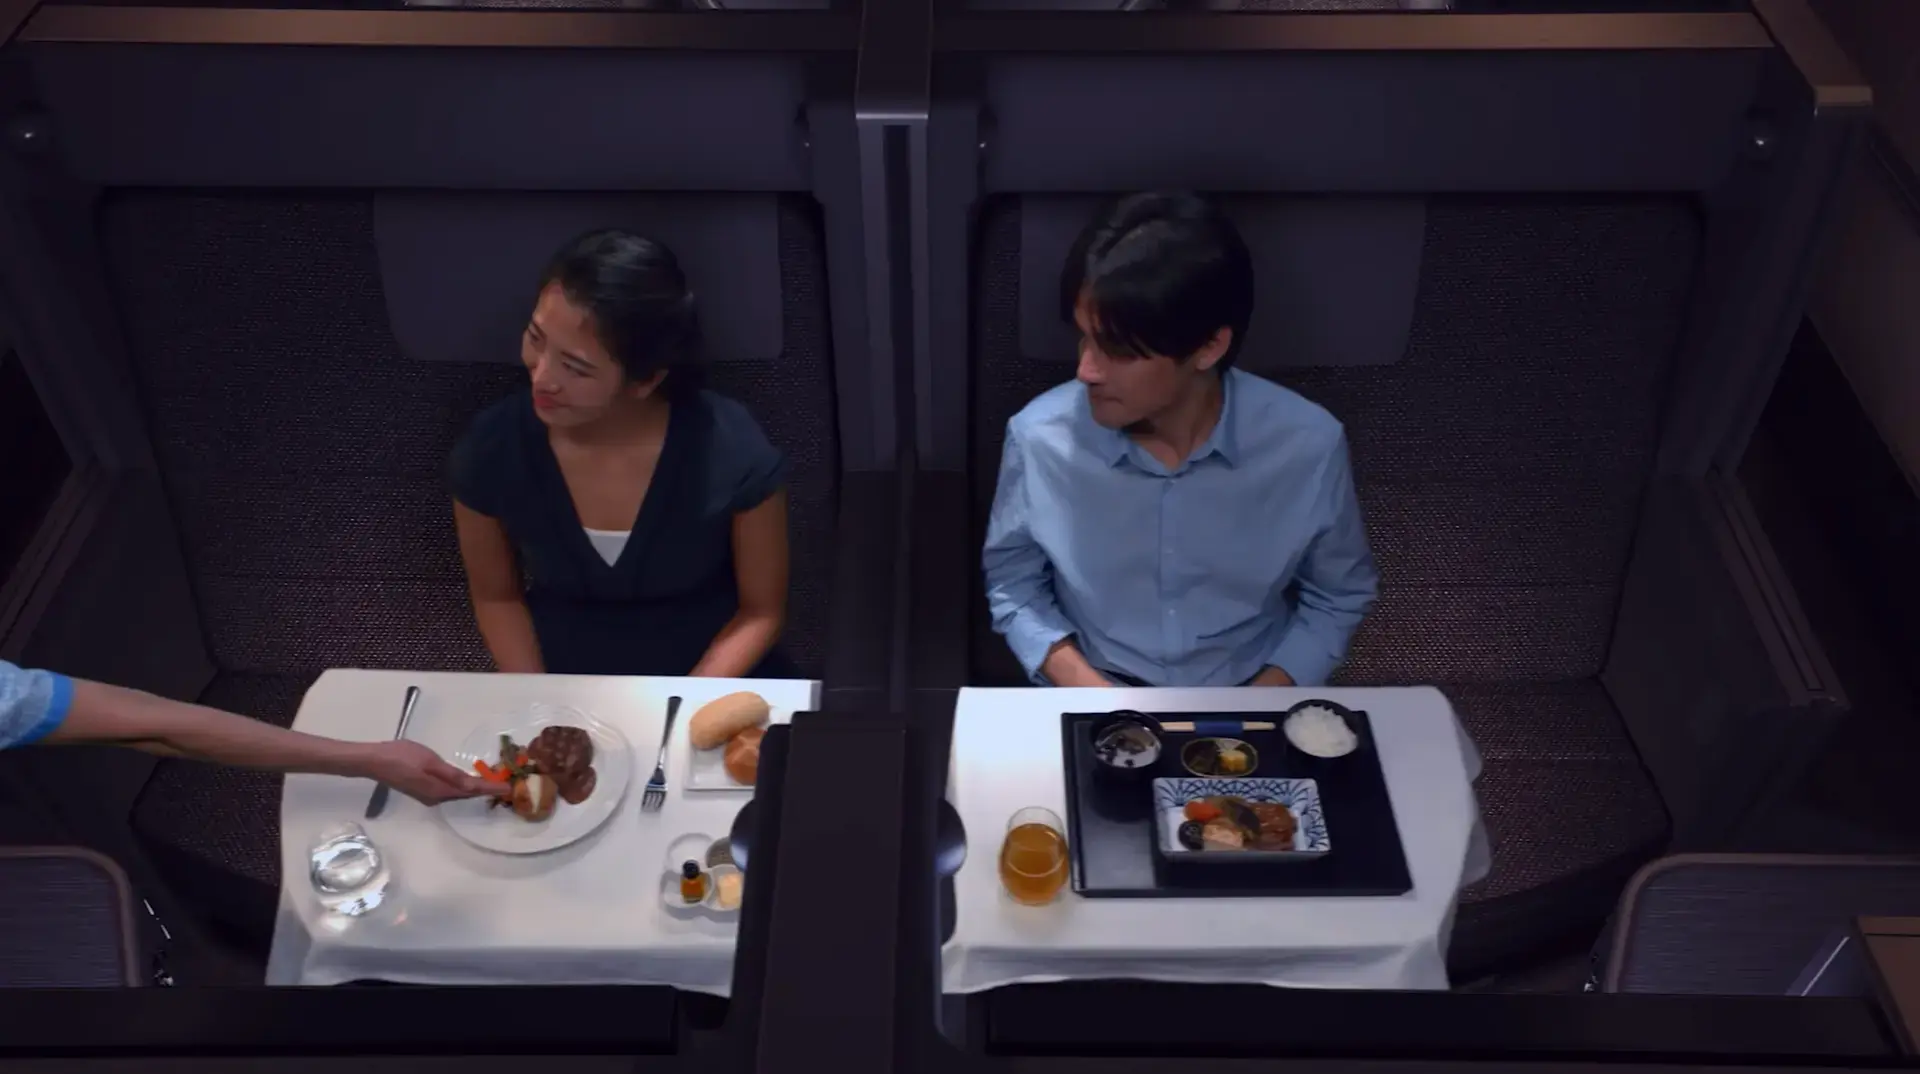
[501, 830]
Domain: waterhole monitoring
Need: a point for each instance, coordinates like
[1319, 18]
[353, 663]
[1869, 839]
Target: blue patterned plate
[1302, 796]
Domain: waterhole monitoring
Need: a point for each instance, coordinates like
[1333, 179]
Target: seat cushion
[212, 831]
[1570, 811]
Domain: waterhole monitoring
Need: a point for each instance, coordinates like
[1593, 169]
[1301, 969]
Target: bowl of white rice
[1322, 729]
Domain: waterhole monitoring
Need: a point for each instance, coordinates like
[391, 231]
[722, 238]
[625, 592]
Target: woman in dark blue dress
[616, 519]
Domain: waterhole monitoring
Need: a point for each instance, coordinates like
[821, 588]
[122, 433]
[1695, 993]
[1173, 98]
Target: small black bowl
[1112, 734]
[1354, 720]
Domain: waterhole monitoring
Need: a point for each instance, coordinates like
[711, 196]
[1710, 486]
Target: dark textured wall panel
[1360, 122]
[460, 119]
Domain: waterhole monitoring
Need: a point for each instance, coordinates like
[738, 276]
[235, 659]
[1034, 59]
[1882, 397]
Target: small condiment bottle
[693, 882]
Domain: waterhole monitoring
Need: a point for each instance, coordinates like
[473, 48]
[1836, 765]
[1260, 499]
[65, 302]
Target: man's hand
[1086, 677]
[1272, 676]
[420, 774]
[1065, 666]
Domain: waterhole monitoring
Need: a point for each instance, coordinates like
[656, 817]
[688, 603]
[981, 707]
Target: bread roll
[743, 755]
[724, 717]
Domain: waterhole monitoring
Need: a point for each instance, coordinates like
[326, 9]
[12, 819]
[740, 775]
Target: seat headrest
[1335, 279]
[459, 270]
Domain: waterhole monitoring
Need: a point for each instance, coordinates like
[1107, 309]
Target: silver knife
[379, 800]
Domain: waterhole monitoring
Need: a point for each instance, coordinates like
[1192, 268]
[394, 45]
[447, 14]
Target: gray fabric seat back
[1500, 364]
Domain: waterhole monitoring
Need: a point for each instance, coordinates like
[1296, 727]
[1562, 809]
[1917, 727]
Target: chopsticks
[1217, 727]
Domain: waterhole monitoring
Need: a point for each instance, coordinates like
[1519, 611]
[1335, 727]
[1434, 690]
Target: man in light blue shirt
[1165, 519]
[47, 707]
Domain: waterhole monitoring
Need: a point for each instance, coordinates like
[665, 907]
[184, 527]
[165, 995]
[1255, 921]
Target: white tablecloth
[588, 913]
[1007, 755]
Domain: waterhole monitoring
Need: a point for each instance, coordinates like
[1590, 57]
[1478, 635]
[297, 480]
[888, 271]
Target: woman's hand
[760, 575]
[421, 774]
[499, 599]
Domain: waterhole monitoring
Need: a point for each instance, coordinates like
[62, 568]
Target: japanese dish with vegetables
[557, 766]
[1219, 757]
[1230, 823]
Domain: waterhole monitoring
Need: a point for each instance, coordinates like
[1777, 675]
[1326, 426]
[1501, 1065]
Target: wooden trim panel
[1421, 32]
[443, 28]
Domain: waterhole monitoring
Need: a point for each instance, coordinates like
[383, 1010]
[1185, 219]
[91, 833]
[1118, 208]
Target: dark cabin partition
[1544, 267]
[264, 265]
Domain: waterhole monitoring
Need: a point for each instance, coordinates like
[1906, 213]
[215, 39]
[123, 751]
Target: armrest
[861, 626]
[1745, 924]
[945, 580]
[1713, 668]
[74, 911]
[828, 882]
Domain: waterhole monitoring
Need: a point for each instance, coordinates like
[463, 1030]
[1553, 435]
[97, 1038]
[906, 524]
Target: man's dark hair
[1163, 272]
[642, 311]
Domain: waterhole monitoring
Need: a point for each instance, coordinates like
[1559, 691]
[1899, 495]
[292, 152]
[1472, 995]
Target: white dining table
[1007, 755]
[586, 913]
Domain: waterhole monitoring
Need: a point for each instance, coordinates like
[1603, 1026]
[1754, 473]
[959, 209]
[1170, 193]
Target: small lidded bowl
[1126, 746]
[1219, 757]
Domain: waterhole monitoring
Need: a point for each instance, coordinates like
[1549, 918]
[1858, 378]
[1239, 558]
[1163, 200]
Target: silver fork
[656, 795]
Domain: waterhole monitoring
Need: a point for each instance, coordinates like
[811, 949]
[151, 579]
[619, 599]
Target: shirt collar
[1114, 446]
[1224, 441]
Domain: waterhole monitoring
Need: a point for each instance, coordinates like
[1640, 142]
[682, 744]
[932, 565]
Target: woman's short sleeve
[757, 469]
[474, 468]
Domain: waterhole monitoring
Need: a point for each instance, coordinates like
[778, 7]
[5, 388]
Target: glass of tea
[1033, 859]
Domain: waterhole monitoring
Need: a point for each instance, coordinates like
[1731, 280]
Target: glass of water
[349, 873]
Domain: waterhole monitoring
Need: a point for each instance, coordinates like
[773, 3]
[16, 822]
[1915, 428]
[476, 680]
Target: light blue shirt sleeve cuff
[35, 711]
[1303, 658]
[1031, 637]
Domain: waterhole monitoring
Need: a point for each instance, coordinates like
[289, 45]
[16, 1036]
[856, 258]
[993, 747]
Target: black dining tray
[1110, 834]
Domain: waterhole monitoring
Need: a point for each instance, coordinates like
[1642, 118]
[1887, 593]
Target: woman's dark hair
[1164, 272]
[642, 311]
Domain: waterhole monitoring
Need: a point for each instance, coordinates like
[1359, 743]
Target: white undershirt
[609, 543]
